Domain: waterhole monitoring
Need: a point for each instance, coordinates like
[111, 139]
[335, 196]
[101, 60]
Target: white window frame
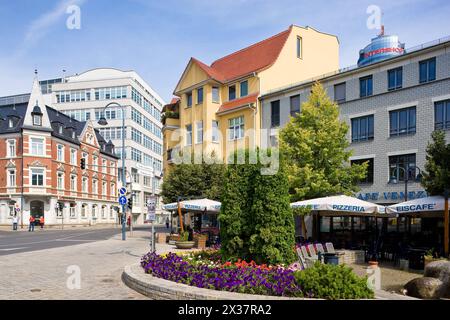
[73, 156]
[43, 177]
[94, 186]
[215, 131]
[236, 127]
[34, 144]
[189, 135]
[104, 188]
[59, 185]
[60, 152]
[11, 151]
[11, 180]
[73, 179]
[84, 185]
[104, 166]
[113, 189]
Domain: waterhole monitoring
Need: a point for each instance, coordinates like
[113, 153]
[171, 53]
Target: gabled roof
[253, 58]
[256, 57]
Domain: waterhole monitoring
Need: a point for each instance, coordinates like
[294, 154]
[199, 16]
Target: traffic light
[83, 163]
[130, 203]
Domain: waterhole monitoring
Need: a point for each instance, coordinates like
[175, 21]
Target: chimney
[382, 30]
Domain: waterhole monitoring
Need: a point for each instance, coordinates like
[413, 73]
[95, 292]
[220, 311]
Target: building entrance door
[37, 209]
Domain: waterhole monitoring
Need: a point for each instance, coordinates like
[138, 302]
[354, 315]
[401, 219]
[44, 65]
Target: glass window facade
[365, 86]
[442, 115]
[427, 70]
[189, 134]
[236, 128]
[199, 95]
[340, 92]
[294, 105]
[395, 78]
[402, 121]
[215, 94]
[244, 88]
[407, 162]
[363, 128]
[275, 113]
[232, 92]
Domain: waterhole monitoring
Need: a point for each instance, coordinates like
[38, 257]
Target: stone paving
[43, 274]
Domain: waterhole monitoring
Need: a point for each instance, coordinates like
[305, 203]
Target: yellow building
[217, 107]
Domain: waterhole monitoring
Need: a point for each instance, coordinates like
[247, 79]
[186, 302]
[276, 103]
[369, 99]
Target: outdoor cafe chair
[310, 260]
[312, 252]
[304, 259]
[330, 248]
[320, 248]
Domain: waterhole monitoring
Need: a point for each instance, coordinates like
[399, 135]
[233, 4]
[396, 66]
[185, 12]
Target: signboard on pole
[151, 209]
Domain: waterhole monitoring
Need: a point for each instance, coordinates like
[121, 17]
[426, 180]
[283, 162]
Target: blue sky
[157, 37]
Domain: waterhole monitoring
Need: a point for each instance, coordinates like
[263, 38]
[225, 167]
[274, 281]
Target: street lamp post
[102, 121]
[393, 178]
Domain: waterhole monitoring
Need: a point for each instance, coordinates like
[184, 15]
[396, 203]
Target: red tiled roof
[234, 104]
[245, 61]
[174, 100]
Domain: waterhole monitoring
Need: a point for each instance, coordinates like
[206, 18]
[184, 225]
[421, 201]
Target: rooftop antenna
[64, 75]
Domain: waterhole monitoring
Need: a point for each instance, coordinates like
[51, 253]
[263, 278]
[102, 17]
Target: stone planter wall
[160, 289]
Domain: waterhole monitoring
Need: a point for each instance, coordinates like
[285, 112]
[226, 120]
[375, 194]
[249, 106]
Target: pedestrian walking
[41, 222]
[15, 221]
[167, 223]
[32, 221]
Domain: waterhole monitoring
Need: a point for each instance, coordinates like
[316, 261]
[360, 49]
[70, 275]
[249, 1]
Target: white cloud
[39, 27]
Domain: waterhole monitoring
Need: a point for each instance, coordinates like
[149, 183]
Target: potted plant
[183, 242]
[430, 256]
[200, 240]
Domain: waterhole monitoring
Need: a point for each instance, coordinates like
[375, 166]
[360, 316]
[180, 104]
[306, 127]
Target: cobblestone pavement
[44, 274]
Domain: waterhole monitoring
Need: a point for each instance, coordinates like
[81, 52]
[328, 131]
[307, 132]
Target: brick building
[40, 156]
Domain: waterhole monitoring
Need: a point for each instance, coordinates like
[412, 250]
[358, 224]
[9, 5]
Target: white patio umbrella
[340, 203]
[427, 204]
[195, 205]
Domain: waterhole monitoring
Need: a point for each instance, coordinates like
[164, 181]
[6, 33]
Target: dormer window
[60, 129]
[37, 115]
[73, 134]
[10, 123]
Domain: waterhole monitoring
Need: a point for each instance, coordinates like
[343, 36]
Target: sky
[156, 38]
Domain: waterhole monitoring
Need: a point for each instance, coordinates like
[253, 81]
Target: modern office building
[217, 106]
[40, 156]
[392, 105]
[84, 96]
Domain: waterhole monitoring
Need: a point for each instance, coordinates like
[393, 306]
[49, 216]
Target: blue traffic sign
[123, 200]
[122, 191]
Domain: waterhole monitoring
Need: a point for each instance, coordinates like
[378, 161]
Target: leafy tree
[315, 142]
[256, 221]
[436, 176]
[202, 180]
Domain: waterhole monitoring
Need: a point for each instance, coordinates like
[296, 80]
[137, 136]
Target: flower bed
[205, 269]
[245, 279]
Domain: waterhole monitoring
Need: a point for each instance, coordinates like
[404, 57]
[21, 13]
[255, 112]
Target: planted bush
[328, 281]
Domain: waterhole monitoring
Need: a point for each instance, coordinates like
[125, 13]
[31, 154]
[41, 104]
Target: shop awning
[195, 205]
[427, 204]
[341, 204]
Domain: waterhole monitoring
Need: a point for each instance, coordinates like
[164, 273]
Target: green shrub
[326, 281]
[256, 221]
